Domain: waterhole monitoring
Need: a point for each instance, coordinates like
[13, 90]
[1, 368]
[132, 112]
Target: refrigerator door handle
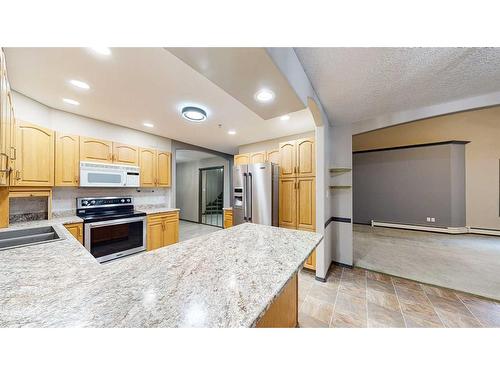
[251, 196]
[245, 193]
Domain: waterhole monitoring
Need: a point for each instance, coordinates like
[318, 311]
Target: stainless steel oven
[112, 228]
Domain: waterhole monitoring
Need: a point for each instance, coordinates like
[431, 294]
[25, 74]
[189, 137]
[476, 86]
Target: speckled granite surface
[155, 209]
[223, 279]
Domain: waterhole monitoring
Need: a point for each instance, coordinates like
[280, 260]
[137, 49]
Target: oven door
[111, 239]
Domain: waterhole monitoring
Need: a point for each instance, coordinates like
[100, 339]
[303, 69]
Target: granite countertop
[155, 209]
[224, 279]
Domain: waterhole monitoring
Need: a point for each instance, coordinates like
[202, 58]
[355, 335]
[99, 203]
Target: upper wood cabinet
[306, 157]
[148, 164]
[7, 125]
[34, 164]
[257, 157]
[67, 160]
[288, 159]
[125, 154]
[241, 159]
[97, 150]
[164, 169]
[298, 158]
[273, 156]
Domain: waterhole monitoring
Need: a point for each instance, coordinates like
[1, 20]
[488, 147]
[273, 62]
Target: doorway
[211, 196]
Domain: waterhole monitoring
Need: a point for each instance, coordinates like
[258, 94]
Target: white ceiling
[184, 156]
[136, 85]
[357, 84]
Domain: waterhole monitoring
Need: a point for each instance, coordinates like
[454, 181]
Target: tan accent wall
[272, 144]
[482, 154]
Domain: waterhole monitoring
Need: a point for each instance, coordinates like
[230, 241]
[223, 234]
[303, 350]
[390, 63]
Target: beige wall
[271, 144]
[482, 154]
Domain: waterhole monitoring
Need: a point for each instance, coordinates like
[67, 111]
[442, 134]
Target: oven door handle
[107, 223]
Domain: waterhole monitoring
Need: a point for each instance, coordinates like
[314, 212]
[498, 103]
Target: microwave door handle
[251, 196]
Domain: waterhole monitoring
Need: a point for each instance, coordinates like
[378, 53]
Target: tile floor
[188, 230]
[361, 298]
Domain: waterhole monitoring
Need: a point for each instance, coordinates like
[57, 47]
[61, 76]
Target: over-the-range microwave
[108, 175]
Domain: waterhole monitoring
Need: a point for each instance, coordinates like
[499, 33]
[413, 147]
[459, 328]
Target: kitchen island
[244, 276]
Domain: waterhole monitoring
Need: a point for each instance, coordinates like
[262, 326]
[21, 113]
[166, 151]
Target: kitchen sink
[26, 237]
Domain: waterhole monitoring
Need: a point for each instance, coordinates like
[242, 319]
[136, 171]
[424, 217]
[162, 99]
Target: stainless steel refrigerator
[255, 193]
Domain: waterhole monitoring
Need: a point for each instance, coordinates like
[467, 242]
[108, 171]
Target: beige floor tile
[323, 293]
[387, 300]
[488, 316]
[353, 272]
[378, 277]
[380, 286]
[304, 287]
[379, 316]
[307, 321]
[355, 287]
[353, 306]
[408, 284]
[412, 296]
[307, 275]
[341, 320]
[317, 309]
[335, 271]
[440, 292]
[415, 322]
[452, 320]
[445, 304]
[420, 314]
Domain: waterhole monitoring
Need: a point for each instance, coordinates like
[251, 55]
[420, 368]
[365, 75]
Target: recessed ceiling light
[71, 101]
[285, 118]
[264, 96]
[194, 114]
[79, 84]
[106, 51]
[231, 132]
[148, 125]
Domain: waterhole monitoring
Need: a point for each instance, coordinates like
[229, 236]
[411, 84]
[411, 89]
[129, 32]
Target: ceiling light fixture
[285, 118]
[79, 84]
[106, 51]
[70, 101]
[148, 125]
[194, 114]
[264, 96]
[231, 132]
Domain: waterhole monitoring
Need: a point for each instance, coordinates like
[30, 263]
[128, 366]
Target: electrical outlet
[429, 219]
[433, 219]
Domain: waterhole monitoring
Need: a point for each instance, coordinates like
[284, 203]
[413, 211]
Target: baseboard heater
[449, 230]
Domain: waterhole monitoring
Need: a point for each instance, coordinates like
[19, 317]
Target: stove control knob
[84, 203]
[129, 200]
[122, 200]
[92, 202]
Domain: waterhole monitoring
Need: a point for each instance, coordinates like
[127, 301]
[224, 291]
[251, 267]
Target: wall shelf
[340, 186]
[340, 170]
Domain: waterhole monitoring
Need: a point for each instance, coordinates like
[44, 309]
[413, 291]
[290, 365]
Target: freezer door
[260, 193]
[240, 179]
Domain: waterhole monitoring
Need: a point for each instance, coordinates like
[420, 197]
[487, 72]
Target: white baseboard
[490, 232]
[449, 230]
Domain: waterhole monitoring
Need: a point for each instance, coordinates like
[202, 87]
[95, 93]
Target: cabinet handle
[6, 169]
[18, 174]
[12, 148]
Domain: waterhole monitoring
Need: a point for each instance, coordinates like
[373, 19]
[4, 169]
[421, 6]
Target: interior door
[260, 185]
[211, 196]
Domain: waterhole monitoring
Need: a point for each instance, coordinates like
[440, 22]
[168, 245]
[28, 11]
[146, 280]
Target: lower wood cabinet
[162, 229]
[228, 218]
[76, 229]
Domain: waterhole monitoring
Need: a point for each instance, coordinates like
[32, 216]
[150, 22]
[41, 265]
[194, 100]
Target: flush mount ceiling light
[79, 84]
[231, 132]
[70, 101]
[148, 125]
[264, 96]
[106, 51]
[194, 114]
[285, 118]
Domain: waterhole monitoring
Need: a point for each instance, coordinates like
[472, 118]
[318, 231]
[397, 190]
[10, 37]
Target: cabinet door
[258, 157]
[147, 162]
[34, 165]
[306, 203]
[306, 157]
[273, 156]
[76, 230]
[287, 203]
[241, 159]
[155, 233]
[311, 261]
[288, 159]
[96, 150]
[125, 154]
[67, 161]
[228, 218]
[171, 227]
[164, 169]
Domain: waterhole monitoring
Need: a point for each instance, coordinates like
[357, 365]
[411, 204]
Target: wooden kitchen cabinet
[287, 203]
[273, 156]
[76, 229]
[7, 125]
[257, 157]
[162, 230]
[34, 164]
[306, 203]
[306, 157]
[311, 261]
[228, 218]
[96, 150]
[288, 159]
[147, 162]
[125, 154]
[241, 159]
[67, 160]
[164, 169]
